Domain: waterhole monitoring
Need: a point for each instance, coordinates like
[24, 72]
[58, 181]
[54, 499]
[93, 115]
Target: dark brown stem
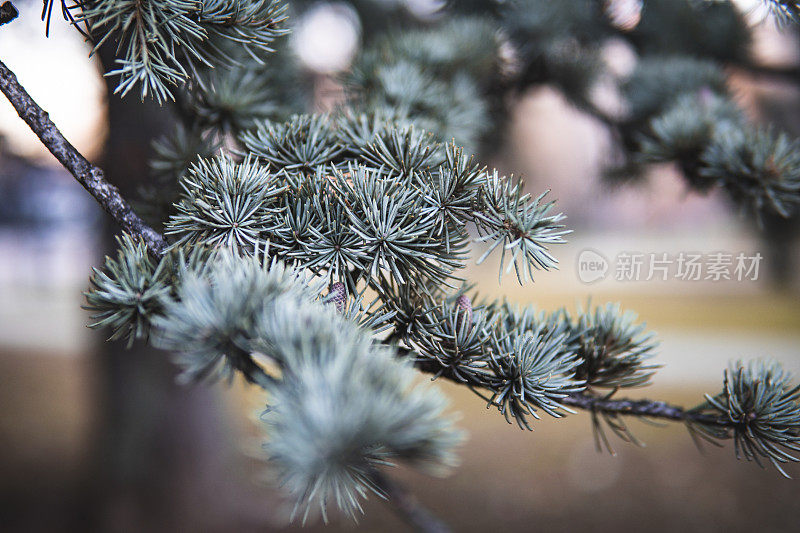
[7, 13]
[645, 408]
[614, 406]
[88, 175]
[601, 116]
[790, 73]
[407, 506]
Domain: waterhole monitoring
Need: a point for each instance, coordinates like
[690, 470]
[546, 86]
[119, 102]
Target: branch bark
[7, 13]
[645, 408]
[88, 175]
[614, 406]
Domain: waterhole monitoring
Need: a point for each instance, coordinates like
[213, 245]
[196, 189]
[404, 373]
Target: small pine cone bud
[464, 305]
[706, 96]
[337, 295]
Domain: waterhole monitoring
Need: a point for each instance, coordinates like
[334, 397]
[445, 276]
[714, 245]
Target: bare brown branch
[653, 409]
[7, 13]
[645, 408]
[88, 175]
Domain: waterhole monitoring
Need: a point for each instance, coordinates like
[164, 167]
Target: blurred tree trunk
[780, 235]
[150, 432]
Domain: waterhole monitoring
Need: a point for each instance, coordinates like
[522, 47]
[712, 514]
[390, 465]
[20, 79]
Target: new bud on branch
[464, 305]
[337, 295]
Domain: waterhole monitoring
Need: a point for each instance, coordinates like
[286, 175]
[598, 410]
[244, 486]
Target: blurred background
[96, 437]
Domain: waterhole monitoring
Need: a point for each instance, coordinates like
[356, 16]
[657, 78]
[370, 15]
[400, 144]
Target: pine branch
[645, 408]
[653, 409]
[88, 175]
[407, 506]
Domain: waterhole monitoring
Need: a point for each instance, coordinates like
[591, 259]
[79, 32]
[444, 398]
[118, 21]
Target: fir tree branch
[653, 409]
[646, 408]
[407, 506]
[88, 175]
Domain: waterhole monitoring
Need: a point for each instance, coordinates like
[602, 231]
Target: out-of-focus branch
[407, 506]
[7, 13]
[88, 175]
[790, 73]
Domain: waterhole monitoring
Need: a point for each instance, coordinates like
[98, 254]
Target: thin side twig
[88, 175]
